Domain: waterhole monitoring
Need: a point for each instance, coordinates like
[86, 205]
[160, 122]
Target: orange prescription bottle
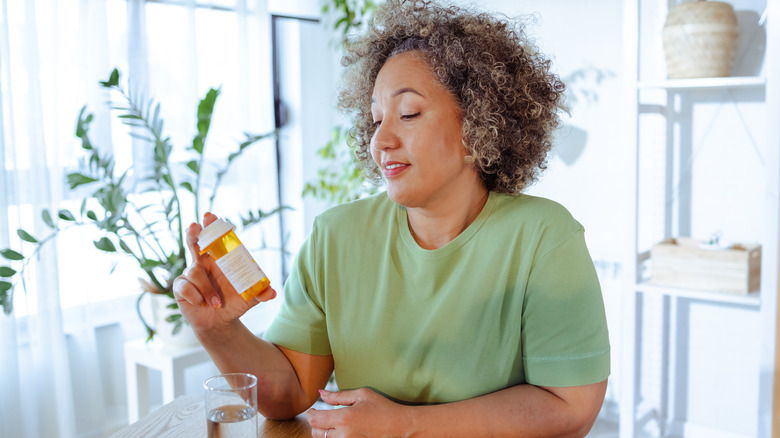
[219, 240]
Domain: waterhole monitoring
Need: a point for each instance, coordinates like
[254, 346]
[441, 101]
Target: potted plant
[151, 233]
[340, 178]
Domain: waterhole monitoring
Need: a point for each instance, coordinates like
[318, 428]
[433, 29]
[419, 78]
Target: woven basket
[700, 39]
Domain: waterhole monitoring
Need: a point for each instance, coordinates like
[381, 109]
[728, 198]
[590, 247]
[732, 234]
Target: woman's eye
[377, 123]
[409, 116]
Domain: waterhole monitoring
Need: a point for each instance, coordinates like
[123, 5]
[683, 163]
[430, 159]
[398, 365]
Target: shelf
[752, 299]
[698, 83]
[669, 122]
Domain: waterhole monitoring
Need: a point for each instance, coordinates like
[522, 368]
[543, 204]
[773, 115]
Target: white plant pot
[164, 330]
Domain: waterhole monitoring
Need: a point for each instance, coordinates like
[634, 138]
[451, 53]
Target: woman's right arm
[288, 381]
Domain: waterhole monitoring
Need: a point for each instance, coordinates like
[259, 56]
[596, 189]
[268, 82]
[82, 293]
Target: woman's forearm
[519, 411]
[235, 349]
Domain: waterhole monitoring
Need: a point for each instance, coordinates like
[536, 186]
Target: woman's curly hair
[508, 97]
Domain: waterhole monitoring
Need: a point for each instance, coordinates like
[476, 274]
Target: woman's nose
[385, 137]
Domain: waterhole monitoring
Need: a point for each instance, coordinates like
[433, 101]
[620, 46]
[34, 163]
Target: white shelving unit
[649, 94]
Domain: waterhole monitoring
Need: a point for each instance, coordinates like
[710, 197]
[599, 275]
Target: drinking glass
[231, 406]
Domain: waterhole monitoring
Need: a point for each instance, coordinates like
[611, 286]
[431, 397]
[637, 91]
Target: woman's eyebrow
[406, 90]
[402, 91]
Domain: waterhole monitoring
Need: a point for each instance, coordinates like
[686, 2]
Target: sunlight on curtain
[52, 55]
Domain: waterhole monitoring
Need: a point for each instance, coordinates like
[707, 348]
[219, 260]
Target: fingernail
[322, 391]
[216, 302]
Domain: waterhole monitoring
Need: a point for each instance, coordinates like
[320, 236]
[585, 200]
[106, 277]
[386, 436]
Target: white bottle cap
[214, 231]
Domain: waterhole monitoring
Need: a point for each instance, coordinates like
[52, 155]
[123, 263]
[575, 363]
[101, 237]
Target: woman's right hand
[205, 296]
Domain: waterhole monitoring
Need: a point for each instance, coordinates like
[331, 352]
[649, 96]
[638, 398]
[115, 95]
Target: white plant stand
[170, 361]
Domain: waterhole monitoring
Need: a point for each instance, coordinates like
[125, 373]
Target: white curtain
[58, 348]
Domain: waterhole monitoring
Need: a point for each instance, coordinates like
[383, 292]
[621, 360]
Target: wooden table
[186, 417]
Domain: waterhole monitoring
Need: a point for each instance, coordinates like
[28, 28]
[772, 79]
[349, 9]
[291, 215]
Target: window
[53, 55]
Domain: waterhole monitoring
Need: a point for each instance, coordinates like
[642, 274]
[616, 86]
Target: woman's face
[418, 140]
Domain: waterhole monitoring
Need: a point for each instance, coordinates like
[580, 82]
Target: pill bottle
[219, 240]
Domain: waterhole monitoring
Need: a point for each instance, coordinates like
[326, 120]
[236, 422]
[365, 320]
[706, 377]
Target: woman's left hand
[365, 414]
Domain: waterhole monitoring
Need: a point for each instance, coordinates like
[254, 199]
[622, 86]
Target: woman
[452, 304]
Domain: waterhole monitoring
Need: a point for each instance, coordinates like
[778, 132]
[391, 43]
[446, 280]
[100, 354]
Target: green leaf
[125, 247]
[149, 264]
[173, 318]
[112, 81]
[11, 254]
[197, 144]
[24, 235]
[91, 214]
[255, 218]
[82, 127]
[150, 334]
[5, 286]
[66, 215]
[187, 186]
[141, 137]
[5, 271]
[173, 306]
[76, 179]
[6, 302]
[193, 166]
[206, 110]
[177, 326]
[46, 215]
[105, 244]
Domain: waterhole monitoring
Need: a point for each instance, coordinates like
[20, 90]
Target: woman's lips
[392, 169]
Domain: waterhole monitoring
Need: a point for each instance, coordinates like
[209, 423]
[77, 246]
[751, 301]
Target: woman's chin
[400, 195]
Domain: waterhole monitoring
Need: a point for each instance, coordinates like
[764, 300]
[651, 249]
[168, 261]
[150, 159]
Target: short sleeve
[300, 324]
[564, 332]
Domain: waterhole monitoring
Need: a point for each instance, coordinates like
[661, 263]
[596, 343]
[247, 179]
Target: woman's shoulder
[532, 206]
[535, 212]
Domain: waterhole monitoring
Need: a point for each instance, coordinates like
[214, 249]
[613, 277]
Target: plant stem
[158, 140]
[147, 226]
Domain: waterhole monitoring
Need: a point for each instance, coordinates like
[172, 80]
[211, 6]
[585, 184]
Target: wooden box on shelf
[693, 264]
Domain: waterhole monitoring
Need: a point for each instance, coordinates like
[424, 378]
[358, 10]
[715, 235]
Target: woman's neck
[433, 228]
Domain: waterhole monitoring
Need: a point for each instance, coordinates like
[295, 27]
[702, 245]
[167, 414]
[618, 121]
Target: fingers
[341, 398]
[342, 421]
[192, 241]
[183, 290]
[203, 283]
[267, 294]
[192, 235]
[196, 287]
[322, 433]
[208, 218]
[321, 421]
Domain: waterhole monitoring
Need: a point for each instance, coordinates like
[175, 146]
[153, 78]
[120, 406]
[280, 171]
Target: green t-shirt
[513, 299]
